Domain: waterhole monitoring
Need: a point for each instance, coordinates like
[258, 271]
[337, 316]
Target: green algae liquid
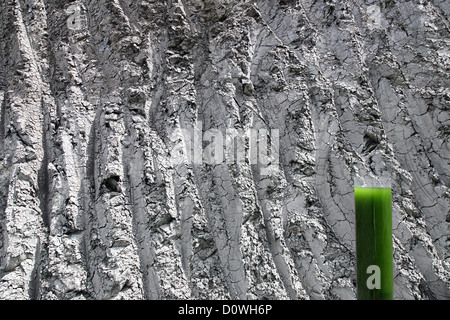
[374, 260]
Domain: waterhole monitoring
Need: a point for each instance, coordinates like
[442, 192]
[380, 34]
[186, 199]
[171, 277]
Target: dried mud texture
[93, 94]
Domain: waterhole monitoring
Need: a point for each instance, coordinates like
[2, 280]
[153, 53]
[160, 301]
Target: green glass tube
[374, 259]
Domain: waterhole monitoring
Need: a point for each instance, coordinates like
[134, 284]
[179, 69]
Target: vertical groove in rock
[208, 149]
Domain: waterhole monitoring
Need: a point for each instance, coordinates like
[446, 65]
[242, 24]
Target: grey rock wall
[105, 105]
